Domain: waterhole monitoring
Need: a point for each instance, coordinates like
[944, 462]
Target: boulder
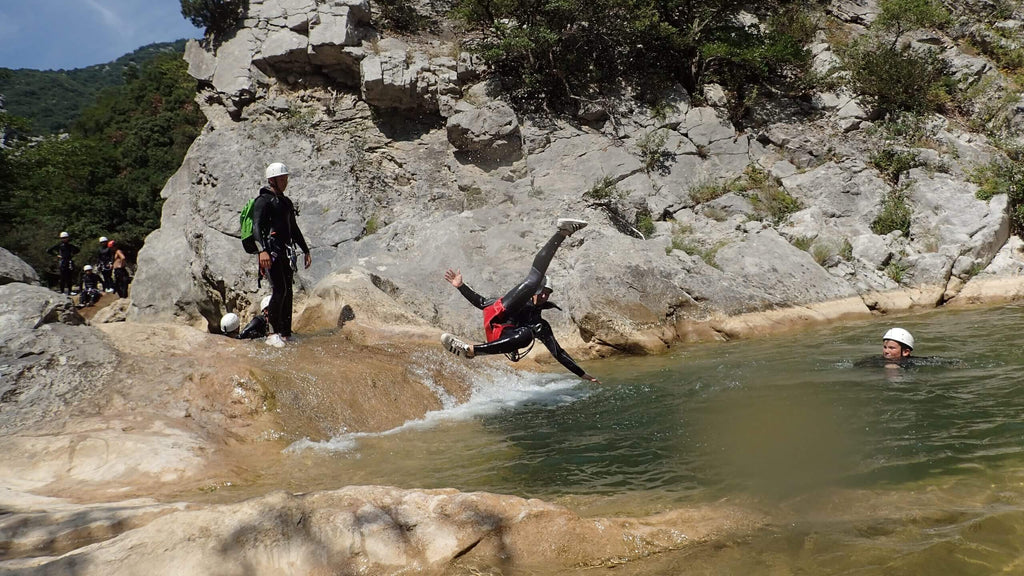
[491, 131]
[14, 269]
[48, 358]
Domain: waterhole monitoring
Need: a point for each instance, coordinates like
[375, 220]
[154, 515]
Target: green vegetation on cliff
[51, 100]
[560, 55]
[105, 177]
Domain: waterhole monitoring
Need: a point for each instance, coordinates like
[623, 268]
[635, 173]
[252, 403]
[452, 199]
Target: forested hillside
[51, 100]
[104, 177]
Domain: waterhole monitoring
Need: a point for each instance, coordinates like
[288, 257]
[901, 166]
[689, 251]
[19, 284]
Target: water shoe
[455, 346]
[571, 225]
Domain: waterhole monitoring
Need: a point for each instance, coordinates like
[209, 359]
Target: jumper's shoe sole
[455, 346]
[571, 225]
[275, 340]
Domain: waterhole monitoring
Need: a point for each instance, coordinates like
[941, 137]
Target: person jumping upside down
[513, 321]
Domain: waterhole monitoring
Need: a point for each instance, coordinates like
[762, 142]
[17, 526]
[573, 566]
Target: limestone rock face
[372, 530]
[404, 163]
[14, 269]
[47, 356]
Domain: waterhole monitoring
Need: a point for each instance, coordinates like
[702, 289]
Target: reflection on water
[863, 470]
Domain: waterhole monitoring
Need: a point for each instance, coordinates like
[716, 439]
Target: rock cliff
[405, 161]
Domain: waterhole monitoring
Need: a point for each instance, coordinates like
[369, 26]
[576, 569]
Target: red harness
[491, 328]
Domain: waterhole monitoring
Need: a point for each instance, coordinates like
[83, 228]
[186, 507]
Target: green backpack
[245, 220]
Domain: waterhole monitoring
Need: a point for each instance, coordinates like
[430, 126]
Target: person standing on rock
[105, 262]
[120, 267]
[65, 252]
[513, 321]
[276, 234]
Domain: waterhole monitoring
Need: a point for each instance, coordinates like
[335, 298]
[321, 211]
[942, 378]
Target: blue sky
[66, 34]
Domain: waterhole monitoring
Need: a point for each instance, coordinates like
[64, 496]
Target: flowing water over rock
[859, 470]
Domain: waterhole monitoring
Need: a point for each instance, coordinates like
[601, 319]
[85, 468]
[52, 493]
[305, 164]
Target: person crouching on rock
[514, 320]
[256, 328]
[90, 290]
[276, 234]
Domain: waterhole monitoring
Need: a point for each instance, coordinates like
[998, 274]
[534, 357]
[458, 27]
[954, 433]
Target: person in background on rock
[65, 252]
[90, 292]
[105, 263]
[276, 234]
[513, 321]
[120, 266]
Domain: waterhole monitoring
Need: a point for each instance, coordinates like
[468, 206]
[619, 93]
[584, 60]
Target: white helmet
[276, 169]
[65, 235]
[87, 268]
[103, 240]
[547, 285]
[265, 303]
[900, 335]
[229, 323]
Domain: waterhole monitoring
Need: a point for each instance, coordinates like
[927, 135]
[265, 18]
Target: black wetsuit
[518, 321]
[90, 289]
[275, 231]
[256, 328]
[908, 362]
[66, 251]
[105, 262]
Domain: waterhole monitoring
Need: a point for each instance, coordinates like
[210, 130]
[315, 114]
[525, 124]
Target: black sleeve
[54, 249]
[474, 298]
[75, 249]
[260, 219]
[543, 332]
[297, 234]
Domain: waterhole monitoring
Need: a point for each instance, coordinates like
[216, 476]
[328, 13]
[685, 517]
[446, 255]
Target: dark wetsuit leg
[281, 296]
[512, 339]
[521, 294]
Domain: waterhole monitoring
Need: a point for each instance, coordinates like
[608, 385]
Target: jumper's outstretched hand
[591, 378]
[454, 277]
[307, 260]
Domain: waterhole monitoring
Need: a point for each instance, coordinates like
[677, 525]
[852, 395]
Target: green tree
[557, 53]
[216, 16]
[105, 177]
[897, 79]
[901, 16]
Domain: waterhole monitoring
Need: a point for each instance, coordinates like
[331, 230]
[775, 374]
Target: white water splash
[493, 392]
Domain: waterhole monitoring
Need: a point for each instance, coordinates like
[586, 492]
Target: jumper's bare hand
[454, 277]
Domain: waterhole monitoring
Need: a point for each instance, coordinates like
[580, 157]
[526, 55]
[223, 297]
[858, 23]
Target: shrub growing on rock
[1004, 176]
[900, 16]
[892, 163]
[895, 214]
[216, 16]
[897, 79]
[559, 55]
